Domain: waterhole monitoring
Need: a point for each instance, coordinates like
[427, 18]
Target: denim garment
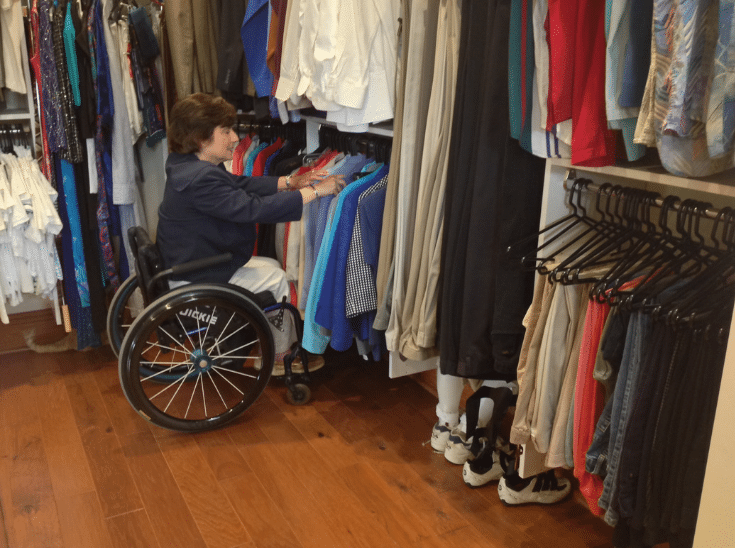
[638, 331]
[596, 462]
[611, 351]
[664, 347]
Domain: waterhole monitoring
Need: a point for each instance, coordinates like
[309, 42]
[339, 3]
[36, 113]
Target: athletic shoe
[440, 436]
[544, 488]
[488, 466]
[458, 447]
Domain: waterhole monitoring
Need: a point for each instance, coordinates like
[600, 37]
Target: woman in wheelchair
[207, 210]
[197, 356]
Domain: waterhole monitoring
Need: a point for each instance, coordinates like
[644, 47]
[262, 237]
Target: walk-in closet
[387, 273]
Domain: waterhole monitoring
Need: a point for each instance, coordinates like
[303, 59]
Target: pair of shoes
[489, 465]
[543, 488]
[440, 437]
[458, 446]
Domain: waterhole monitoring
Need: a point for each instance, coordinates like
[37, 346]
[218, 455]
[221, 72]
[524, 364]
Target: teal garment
[75, 226]
[617, 34]
[71, 55]
[248, 170]
[314, 340]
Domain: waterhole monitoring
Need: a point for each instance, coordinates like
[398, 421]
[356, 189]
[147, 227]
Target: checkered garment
[361, 293]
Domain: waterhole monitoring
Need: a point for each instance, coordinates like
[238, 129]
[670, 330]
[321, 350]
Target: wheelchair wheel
[120, 315]
[196, 358]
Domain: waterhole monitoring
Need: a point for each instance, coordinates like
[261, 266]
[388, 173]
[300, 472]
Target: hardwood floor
[80, 469]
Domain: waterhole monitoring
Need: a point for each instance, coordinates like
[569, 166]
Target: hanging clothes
[190, 33]
[480, 329]
[11, 31]
[420, 51]
[29, 224]
[644, 362]
[415, 334]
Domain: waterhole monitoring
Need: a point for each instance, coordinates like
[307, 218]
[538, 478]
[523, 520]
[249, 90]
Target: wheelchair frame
[198, 356]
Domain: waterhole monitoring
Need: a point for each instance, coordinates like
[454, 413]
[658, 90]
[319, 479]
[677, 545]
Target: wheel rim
[122, 314]
[197, 364]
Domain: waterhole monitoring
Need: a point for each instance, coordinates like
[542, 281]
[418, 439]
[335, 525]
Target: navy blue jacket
[207, 210]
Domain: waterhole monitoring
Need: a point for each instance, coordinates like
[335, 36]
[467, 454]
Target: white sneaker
[488, 466]
[544, 488]
[440, 436]
[458, 447]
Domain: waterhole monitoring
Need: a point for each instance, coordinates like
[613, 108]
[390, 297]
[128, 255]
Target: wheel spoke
[193, 391]
[174, 339]
[164, 371]
[220, 356]
[178, 318]
[209, 323]
[214, 383]
[220, 341]
[217, 370]
[179, 382]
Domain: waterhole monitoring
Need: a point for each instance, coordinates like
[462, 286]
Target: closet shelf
[384, 129]
[14, 114]
[721, 183]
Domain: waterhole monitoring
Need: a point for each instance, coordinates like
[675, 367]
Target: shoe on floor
[544, 488]
[458, 447]
[279, 369]
[440, 437]
[487, 466]
[315, 362]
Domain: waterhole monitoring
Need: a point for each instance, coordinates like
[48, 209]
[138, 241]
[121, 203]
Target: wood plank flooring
[79, 469]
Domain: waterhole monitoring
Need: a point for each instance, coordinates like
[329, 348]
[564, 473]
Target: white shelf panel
[15, 114]
[722, 183]
[384, 129]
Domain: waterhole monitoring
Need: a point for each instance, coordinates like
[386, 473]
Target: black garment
[231, 63]
[87, 112]
[492, 199]
[682, 375]
[658, 354]
[90, 242]
[207, 211]
[73, 153]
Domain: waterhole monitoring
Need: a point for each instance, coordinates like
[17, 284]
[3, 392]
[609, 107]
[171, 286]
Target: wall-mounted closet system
[16, 103]
[96, 93]
[718, 195]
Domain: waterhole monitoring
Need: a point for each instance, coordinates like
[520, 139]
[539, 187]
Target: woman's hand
[296, 182]
[331, 185]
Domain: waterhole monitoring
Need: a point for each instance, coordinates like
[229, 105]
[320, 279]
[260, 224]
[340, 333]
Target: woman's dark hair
[194, 119]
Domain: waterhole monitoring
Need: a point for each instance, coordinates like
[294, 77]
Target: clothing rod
[710, 213]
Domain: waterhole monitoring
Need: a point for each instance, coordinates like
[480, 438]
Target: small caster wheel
[299, 394]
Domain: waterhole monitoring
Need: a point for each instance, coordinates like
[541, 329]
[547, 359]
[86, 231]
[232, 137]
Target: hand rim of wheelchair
[199, 365]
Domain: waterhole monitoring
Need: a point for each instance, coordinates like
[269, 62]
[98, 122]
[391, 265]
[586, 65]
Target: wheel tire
[119, 315]
[299, 394]
[176, 366]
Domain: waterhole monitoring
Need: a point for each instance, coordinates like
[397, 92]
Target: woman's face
[220, 146]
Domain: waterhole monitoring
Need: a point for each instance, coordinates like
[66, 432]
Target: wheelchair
[196, 357]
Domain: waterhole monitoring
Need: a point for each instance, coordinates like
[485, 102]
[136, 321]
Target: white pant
[265, 274]
[257, 275]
